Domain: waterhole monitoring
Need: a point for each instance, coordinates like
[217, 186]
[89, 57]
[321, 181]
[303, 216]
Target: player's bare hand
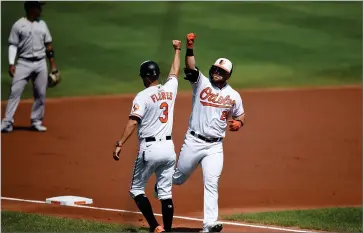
[116, 153]
[11, 70]
[177, 44]
[234, 125]
[190, 39]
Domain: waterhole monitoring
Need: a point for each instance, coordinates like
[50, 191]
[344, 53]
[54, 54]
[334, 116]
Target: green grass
[100, 45]
[23, 222]
[326, 219]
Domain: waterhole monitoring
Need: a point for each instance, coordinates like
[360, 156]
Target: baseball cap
[31, 4]
[224, 64]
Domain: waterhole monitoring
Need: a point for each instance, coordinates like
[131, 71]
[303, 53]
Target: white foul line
[177, 217]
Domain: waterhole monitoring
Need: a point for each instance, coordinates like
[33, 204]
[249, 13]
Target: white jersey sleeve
[47, 35]
[172, 83]
[138, 107]
[237, 109]
[14, 35]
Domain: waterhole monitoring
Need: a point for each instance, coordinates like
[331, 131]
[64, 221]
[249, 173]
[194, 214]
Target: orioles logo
[208, 98]
[135, 107]
[221, 62]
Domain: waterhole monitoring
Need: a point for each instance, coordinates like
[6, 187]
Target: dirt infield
[299, 149]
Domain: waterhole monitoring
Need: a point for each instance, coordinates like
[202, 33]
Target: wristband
[178, 49]
[118, 144]
[190, 52]
[241, 122]
[50, 53]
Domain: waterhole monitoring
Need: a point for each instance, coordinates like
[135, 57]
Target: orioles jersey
[212, 107]
[155, 108]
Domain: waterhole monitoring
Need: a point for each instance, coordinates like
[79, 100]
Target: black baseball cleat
[217, 228]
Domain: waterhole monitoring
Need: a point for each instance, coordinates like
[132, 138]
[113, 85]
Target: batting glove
[235, 125]
[190, 40]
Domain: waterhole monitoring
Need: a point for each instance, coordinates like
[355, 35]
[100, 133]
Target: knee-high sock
[167, 208]
[144, 206]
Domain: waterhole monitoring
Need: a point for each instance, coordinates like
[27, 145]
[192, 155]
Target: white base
[69, 200]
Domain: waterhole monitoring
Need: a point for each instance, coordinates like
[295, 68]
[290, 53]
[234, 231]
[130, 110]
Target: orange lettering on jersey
[212, 97]
[154, 98]
[162, 96]
[220, 99]
[214, 100]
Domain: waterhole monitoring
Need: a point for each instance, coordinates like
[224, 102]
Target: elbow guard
[50, 53]
[191, 75]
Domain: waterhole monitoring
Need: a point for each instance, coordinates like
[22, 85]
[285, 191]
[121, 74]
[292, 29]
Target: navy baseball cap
[33, 4]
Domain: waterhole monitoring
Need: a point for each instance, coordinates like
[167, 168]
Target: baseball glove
[54, 78]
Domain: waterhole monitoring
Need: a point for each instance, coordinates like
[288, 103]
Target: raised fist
[190, 39]
[176, 44]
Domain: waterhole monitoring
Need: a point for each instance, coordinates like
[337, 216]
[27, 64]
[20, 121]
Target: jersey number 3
[165, 107]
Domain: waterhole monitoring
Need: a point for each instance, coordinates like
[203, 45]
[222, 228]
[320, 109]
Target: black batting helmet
[149, 69]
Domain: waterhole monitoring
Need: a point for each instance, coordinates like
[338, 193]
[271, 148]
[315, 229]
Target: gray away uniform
[29, 38]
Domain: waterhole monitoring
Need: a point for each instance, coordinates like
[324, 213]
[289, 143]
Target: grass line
[347, 219]
[24, 222]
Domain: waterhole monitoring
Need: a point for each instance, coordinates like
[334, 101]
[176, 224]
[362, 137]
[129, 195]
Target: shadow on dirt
[186, 229]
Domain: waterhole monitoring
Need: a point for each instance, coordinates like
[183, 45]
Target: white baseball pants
[158, 157]
[210, 156]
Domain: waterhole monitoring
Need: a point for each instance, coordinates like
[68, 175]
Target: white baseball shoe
[6, 127]
[217, 227]
[39, 128]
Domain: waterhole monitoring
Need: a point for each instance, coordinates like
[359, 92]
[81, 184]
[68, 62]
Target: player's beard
[218, 79]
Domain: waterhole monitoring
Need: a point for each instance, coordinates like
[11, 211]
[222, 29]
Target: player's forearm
[50, 55]
[12, 54]
[52, 63]
[175, 67]
[190, 59]
[129, 129]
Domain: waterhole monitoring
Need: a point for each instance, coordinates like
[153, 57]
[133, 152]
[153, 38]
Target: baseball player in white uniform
[214, 103]
[31, 41]
[153, 113]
